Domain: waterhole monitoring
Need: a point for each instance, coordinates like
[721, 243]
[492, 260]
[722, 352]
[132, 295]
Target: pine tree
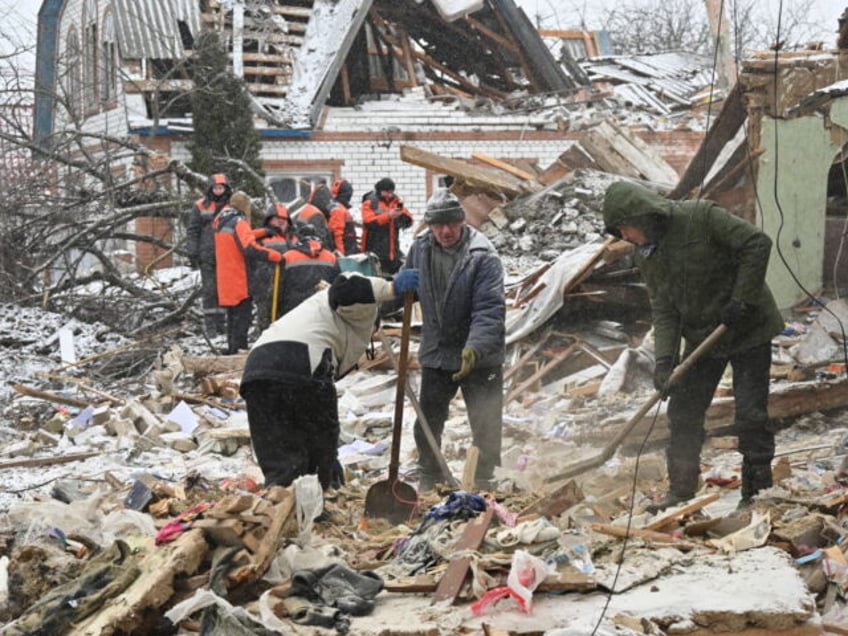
[223, 122]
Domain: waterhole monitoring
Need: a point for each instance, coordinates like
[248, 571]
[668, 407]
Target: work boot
[669, 501]
[427, 482]
[755, 477]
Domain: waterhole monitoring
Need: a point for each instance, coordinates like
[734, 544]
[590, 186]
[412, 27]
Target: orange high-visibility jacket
[233, 239]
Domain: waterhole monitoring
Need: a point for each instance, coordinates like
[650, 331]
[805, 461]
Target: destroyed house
[125, 69]
[336, 86]
[775, 155]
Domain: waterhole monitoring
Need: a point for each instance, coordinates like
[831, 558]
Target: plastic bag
[525, 574]
[309, 502]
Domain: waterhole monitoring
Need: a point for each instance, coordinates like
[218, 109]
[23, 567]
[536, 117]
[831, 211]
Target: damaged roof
[295, 56]
[659, 82]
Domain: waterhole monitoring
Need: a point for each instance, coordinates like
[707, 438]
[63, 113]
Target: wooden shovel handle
[610, 448]
[394, 462]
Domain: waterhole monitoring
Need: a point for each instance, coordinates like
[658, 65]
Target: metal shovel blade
[392, 500]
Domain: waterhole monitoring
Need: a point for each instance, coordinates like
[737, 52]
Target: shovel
[393, 499]
[609, 450]
[422, 419]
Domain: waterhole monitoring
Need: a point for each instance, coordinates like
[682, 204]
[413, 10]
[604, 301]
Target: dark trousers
[688, 403]
[294, 429]
[214, 317]
[482, 390]
[239, 318]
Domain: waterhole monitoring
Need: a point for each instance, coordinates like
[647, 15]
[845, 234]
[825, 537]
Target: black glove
[734, 311]
[662, 373]
[273, 230]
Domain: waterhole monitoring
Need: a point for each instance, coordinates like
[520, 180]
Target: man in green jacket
[704, 266]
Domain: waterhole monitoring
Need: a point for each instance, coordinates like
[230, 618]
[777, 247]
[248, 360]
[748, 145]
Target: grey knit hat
[443, 207]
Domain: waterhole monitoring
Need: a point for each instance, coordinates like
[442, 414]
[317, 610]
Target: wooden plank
[476, 176]
[453, 578]
[640, 155]
[470, 468]
[248, 574]
[50, 396]
[134, 87]
[574, 157]
[589, 388]
[555, 503]
[733, 174]
[727, 123]
[153, 588]
[503, 165]
[281, 58]
[473, 89]
[602, 151]
[526, 356]
[267, 71]
[506, 43]
[677, 513]
[210, 365]
[304, 13]
[274, 89]
[588, 266]
[48, 461]
[547, 368]
[642, 533]
[784, 402]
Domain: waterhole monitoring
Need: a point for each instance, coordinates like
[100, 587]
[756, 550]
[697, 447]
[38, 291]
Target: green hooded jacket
[704, 257]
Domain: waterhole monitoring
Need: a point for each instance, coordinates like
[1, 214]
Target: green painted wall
[792, 208]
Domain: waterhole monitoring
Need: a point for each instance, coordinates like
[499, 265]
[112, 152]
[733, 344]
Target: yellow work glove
[469, 359]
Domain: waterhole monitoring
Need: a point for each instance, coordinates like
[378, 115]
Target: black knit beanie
[350, 290]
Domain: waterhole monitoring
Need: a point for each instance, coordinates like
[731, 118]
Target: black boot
[669, 501]
[755, 477]
[683, 482]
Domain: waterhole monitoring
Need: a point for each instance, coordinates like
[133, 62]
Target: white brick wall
[364, 162]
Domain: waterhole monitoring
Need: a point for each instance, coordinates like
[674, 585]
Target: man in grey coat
[461, 291]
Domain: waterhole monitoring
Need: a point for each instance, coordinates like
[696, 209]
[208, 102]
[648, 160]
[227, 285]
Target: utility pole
[720, 31]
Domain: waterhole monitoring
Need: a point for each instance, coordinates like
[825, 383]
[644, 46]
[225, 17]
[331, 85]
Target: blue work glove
[469, 359]
[406, 280]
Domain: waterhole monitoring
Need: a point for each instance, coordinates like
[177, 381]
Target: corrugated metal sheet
[639, 95]
[660, 81]
[150, 28]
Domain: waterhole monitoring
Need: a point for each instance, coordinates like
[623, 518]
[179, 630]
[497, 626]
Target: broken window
[289, 185]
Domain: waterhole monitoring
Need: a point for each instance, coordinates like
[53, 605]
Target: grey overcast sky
[18, 17]
[567, 13]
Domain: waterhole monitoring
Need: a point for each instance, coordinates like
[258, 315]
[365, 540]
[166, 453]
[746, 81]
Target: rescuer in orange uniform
[234, 240]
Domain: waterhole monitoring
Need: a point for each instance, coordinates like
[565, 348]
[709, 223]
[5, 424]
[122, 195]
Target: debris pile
[161, 502]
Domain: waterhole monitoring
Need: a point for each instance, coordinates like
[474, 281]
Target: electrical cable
[842, 235]
[629, 520]
[678, 336]
[778, 249]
